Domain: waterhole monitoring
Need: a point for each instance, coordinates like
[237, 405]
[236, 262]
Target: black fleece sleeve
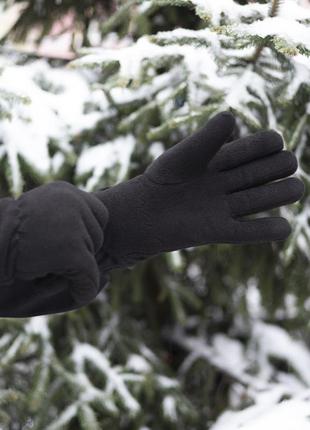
[49, 238]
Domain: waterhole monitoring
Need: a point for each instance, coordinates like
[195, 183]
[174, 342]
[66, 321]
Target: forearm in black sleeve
[49, 240]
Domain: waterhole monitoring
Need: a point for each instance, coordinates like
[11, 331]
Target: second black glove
[197, 192]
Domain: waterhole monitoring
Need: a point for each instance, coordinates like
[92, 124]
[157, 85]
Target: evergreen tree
[43, 14]
[185, 336]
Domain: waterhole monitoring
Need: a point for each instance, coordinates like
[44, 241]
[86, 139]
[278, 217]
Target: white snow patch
[286, 28]
[287, 415]
[84, 351]
[103, 156]
[275, 341]
[230, 8]
[169, 408]
[166, 383]
[38, 325]
[137, 363]
[56, 112]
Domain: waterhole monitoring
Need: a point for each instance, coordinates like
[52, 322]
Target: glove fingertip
[228, 117]
[217, 131]
[280, 229]
[225, 121]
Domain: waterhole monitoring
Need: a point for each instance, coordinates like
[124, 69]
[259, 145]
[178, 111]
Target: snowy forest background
[216, 337]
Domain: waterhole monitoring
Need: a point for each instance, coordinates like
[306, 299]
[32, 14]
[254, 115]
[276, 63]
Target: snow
[253, 299]
[5, 339]
[176, 259]
[38, 325]
[235, 12]
[156, 149]
[105, 155]
[287, 415]
[291, 9]
[291, 308]
[84, 351]
[301, 74]
[214, 9]
[176, 35]
[167, 383]
[200, 65]
[278, 398]
[234, 359]
[130, 57]
[64, 418]
[60, 108]
[239, 96]
[286, 28]
[137, 363]
[149, 354]
[169, 408]
[234, 366]
[276, 342]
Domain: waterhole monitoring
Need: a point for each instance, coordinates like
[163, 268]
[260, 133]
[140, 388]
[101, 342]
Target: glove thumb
[84, 283]
[190, 157]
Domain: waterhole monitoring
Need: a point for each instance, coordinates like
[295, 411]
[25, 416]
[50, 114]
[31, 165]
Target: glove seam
[147, 175]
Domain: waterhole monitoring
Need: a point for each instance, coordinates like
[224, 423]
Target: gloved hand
[50, 262]
[197, 193]
[54, 236]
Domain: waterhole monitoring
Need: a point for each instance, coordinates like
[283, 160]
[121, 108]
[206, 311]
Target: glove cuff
[10, 218]
[127, 235]
[106, 262]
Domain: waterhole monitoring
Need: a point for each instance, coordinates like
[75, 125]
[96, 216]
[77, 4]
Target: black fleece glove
[196, 193]
[49, 239]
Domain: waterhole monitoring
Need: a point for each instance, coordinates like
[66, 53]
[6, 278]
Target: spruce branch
[274, 8]
[273, 11]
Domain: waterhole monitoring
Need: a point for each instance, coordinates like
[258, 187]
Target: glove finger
[190, 157]
[92, 228]
[262, 230]
[247, 149]
[41, 296]
[264, 170]
[208, 140]
[84, 279]
[98, 209]
[266, 197]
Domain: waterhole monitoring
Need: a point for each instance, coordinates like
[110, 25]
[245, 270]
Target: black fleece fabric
[198, 192]
[59, 243]
[50, 237]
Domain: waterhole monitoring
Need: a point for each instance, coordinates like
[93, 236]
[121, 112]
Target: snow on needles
[56, 111]
[105, 155]
[287, 415]
[84, 351]
[291, 31]
[235, 12]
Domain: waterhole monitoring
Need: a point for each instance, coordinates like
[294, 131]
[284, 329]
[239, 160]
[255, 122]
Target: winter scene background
[216, 337]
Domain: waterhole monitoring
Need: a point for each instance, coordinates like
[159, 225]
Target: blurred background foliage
[186, 336]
